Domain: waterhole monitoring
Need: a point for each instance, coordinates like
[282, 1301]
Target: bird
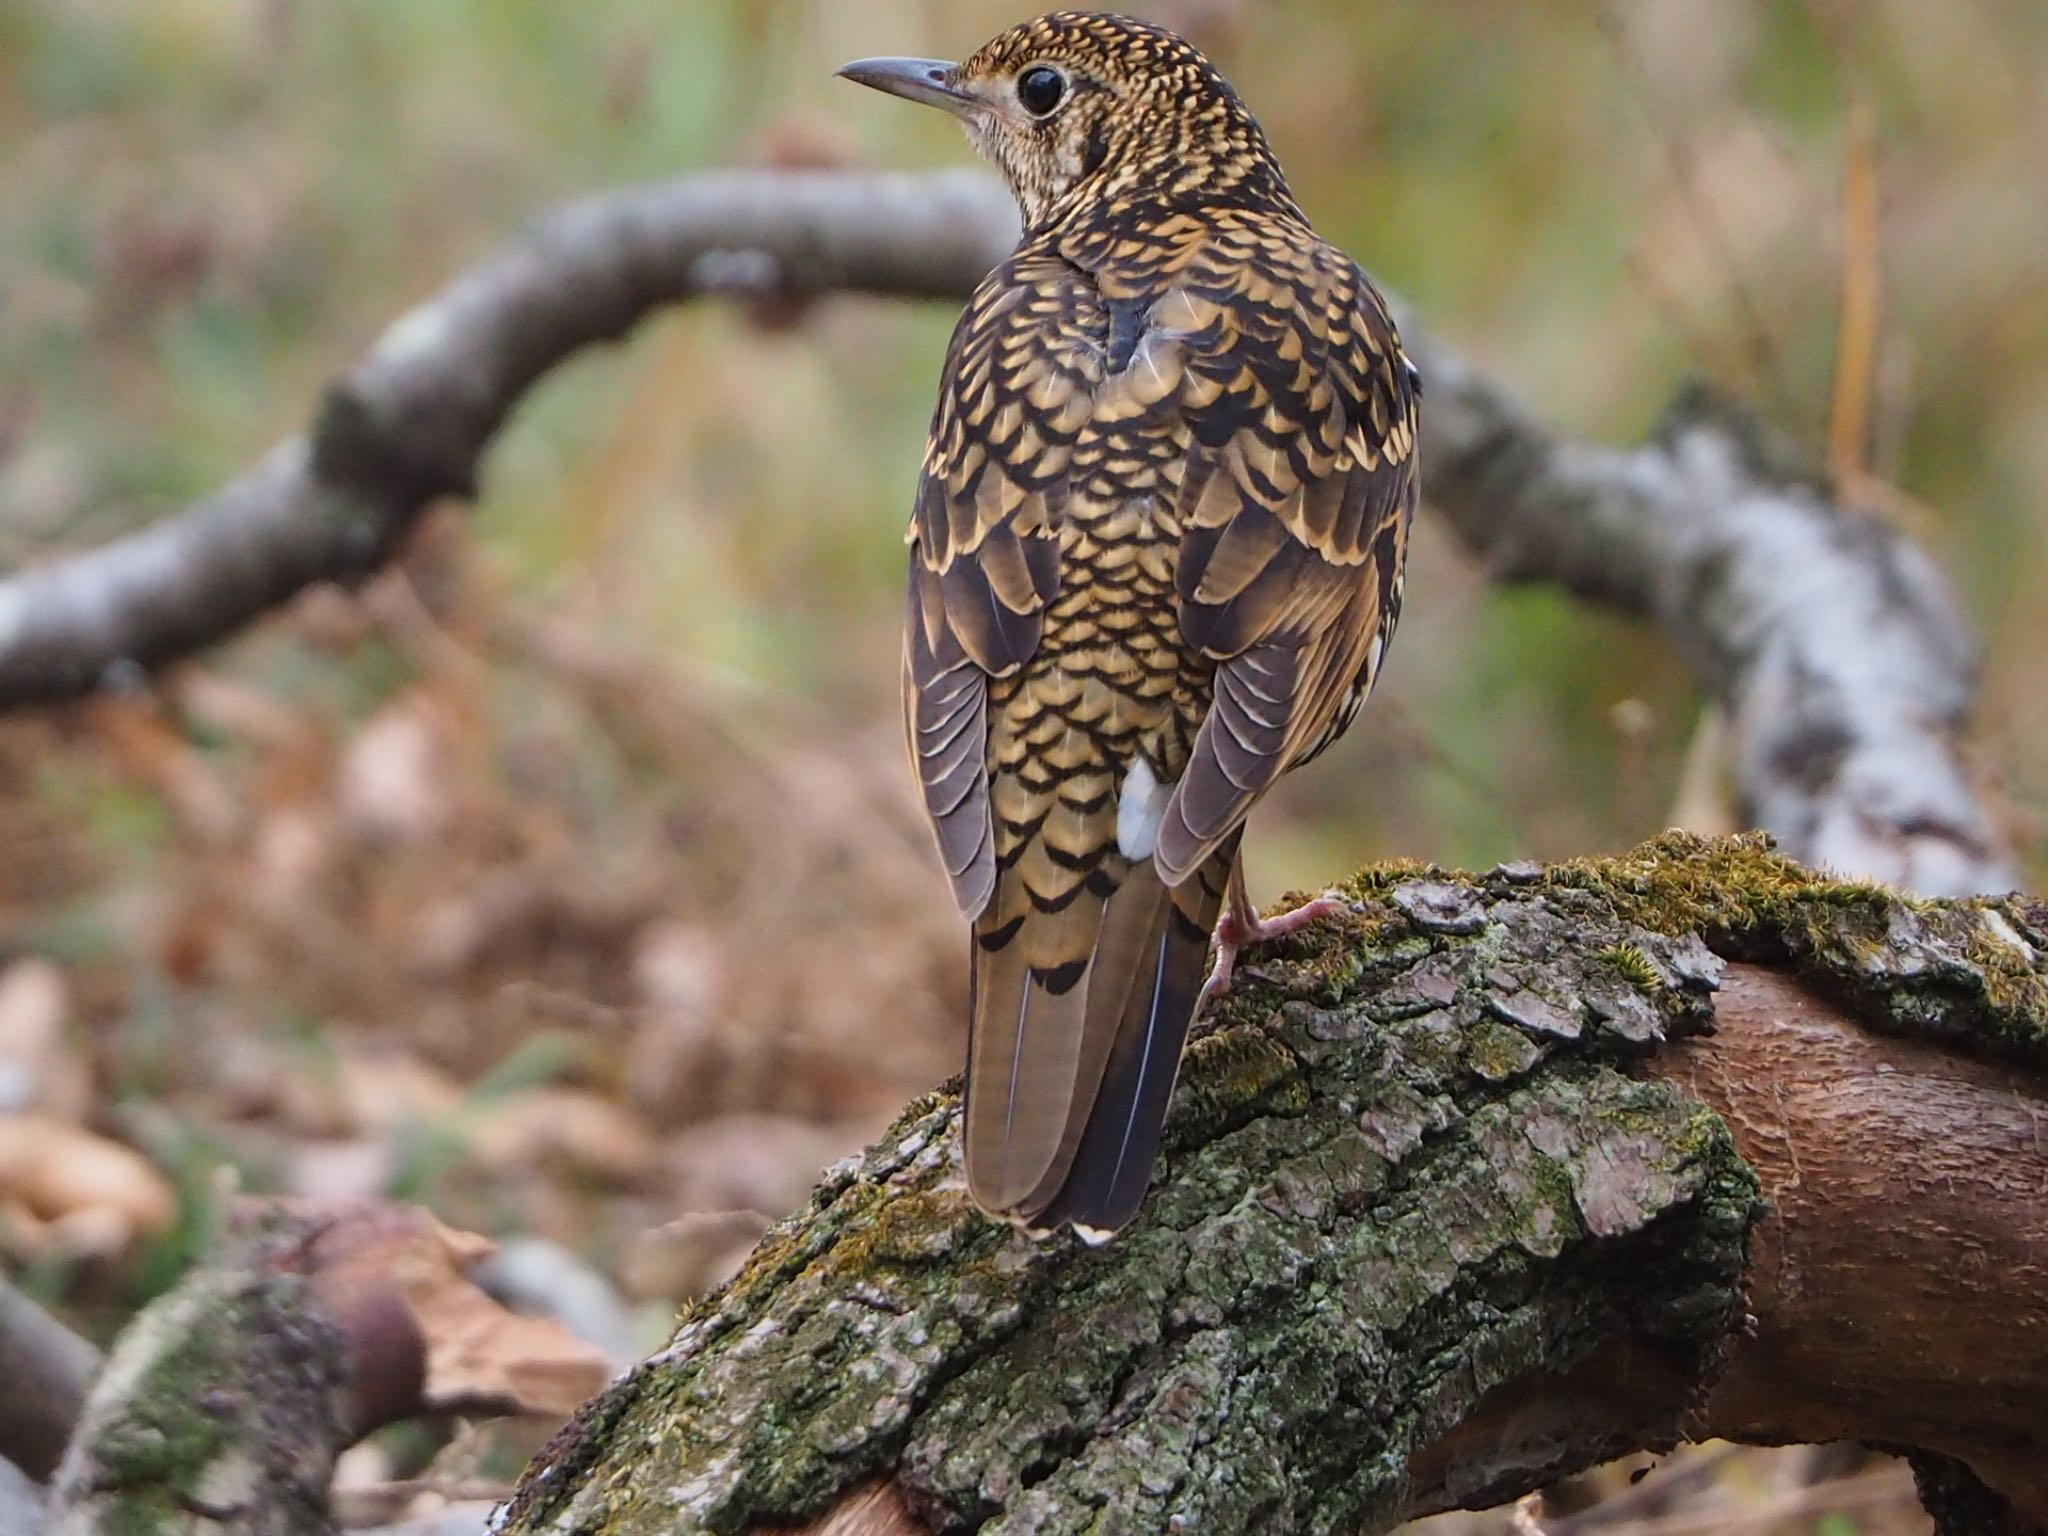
[1157, 553]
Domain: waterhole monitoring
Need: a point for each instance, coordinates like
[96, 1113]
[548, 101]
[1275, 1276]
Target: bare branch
[410, 421]
[48, 1370]
[21, 1503]
[1830, 640]
[226, 1401]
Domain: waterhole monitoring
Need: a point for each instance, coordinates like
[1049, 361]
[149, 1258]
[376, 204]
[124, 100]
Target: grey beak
[927, 80]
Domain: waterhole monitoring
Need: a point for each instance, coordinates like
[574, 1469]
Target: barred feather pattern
[1162, 518]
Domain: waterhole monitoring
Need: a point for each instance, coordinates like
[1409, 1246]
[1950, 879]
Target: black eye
[1040, 89]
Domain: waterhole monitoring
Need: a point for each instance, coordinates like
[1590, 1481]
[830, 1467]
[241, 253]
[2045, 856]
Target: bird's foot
[1237, 931]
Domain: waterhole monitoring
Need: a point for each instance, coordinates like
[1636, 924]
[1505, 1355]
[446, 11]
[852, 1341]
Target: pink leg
[1240, 927]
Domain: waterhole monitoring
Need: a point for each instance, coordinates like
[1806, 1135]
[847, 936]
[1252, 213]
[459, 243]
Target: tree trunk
[1503, 1176]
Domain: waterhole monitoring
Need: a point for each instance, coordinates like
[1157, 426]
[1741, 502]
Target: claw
[1240, 927]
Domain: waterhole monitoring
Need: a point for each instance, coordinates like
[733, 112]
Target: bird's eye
[1040, 88]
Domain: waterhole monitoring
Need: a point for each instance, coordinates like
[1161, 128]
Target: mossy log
[1502, 1176]
[221, 1414]
[223, 1406]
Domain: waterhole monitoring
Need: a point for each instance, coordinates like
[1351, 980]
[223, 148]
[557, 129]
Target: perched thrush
[1156, 558]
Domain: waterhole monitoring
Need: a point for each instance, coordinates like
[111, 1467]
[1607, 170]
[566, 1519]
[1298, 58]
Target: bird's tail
[1078, 1023]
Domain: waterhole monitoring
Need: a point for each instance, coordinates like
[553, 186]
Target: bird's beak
[927, 80]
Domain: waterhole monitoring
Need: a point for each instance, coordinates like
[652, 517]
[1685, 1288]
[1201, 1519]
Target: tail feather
[1070, 1068]
[1112, 1167]
[1040, 1039]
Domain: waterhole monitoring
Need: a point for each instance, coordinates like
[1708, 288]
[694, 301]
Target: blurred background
[567, 878]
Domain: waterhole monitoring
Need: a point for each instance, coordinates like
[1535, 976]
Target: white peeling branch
[1830, 640]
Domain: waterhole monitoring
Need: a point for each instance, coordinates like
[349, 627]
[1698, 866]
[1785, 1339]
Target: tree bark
[1500, 1177]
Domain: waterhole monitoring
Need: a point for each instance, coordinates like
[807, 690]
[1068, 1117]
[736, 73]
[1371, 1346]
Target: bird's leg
[1240, 927]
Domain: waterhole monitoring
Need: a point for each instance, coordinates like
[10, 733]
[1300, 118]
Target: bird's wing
[984, 535]
[1294, 508]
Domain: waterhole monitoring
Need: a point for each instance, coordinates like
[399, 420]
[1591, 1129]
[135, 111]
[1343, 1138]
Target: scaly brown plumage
[1156, 558]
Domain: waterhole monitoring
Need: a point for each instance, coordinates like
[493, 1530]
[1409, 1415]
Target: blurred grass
[647, 687]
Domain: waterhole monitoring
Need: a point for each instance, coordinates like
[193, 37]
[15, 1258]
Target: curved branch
[411, 420]
[1831, 640]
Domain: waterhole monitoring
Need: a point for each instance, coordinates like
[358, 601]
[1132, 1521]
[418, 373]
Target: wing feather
[985, 554]
[1295, 526]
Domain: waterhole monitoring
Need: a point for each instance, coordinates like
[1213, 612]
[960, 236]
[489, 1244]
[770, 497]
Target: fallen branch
[47, 1370]
[1830, 640]
[225, 1403]
[410, 421]
[1504, 1177]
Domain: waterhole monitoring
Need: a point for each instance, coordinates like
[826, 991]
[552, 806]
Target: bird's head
[1080, 106]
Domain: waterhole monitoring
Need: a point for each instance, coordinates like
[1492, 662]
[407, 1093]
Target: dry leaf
[482, 1357]
[676, 1058]
[565, 1127]
[756, 1162]
[358, 1169]
[381, 1091]
[691, 1255]
[397, 783]
[397, 1281]
[293, 853]
[71, 1193]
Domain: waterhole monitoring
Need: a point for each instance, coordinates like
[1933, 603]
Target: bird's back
[1122, 402]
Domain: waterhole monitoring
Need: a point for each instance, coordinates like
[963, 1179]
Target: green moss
[1376, 882]
[943, 1098]
[1235, 1075]
[917, 1229]
[1633, 964]
[1496, 1053]
[167, 1438]
[1970, 972]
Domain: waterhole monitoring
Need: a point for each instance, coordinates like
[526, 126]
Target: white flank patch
[1140, 808]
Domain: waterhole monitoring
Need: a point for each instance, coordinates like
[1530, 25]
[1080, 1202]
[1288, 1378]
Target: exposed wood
[876, 1510]
[1896, 1288]
[1900, 1281]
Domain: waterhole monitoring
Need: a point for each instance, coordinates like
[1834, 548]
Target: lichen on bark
[1969, 972]
[1407, 1165]
[220, 1412]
